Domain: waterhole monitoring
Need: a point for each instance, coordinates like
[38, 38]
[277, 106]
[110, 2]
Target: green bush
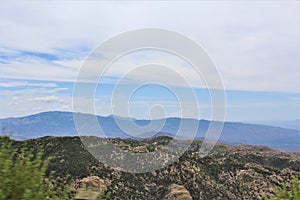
[283, 194]
[22, 175]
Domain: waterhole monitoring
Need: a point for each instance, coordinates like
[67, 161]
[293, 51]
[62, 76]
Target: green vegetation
[22, 174]
[281, 193]
[228, 172]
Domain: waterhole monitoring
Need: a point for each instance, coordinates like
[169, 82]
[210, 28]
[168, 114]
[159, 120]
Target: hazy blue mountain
[290, 124]
[62, 124]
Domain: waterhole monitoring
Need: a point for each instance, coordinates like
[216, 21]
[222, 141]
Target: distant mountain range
[57, 123]
[290, 124]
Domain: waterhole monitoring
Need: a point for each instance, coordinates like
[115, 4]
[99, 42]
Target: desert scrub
[282, 193]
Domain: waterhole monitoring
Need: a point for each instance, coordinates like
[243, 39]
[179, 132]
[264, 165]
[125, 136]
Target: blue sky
[255, 46]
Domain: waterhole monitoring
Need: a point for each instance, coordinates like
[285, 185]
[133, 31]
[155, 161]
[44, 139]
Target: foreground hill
[62, 124]
[228, 172]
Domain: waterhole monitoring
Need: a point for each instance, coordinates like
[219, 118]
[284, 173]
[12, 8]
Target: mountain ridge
[61, 123]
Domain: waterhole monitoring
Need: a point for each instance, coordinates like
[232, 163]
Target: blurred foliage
[282, 193]
[22, 175]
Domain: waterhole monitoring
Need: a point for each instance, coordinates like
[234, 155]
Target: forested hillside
[226, 173]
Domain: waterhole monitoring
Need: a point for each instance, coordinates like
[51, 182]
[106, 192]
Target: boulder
[178, 192]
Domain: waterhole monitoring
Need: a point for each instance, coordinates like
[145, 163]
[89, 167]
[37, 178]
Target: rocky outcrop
[94, 182]
[178, 192]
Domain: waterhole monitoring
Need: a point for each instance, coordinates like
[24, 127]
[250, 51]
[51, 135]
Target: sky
[254, 45]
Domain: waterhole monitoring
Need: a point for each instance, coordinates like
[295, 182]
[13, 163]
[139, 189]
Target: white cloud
[47, 99]
[255, 45]
[16, 104]
[32, 91]
[36, 70]
[26, 84]
[14, 101]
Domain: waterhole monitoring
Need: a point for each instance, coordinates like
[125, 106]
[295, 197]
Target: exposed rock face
[178, 192]
[95, 182]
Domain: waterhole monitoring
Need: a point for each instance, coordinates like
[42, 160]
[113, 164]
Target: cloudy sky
[254, 45]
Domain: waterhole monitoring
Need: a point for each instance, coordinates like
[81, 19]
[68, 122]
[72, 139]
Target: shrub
[22, 175]
[283, 194]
